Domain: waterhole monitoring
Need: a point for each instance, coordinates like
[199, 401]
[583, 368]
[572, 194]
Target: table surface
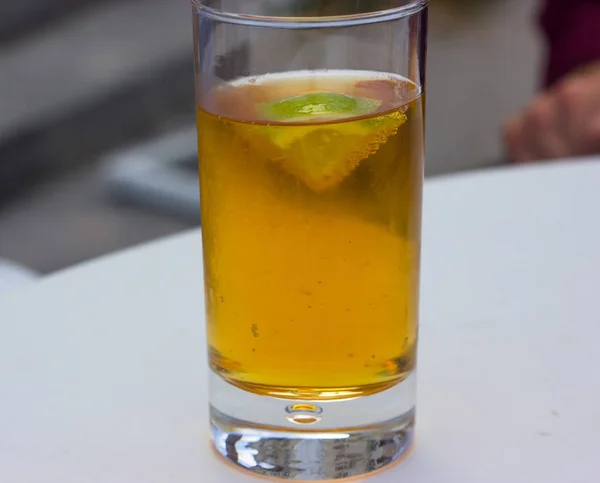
[102, 367]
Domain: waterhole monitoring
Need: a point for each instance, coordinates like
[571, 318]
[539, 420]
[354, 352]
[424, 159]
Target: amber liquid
[311, 235]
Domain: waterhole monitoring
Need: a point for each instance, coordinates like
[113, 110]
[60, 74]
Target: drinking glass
[310, 134]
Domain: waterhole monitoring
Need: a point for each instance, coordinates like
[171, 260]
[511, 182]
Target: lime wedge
[328, 106]
[316, 149]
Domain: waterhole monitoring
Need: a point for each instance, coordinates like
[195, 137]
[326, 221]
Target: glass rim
[283, 22]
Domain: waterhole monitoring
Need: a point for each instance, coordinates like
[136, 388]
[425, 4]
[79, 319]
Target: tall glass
[310, 135]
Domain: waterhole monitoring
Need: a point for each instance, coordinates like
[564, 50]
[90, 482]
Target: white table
[102, 372]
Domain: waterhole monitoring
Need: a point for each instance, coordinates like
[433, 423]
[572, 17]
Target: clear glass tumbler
[310, 135]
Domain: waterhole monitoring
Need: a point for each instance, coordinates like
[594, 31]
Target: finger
[513, 140]
[592, 144]
[570, 96]
[578, 104]
[541, 132]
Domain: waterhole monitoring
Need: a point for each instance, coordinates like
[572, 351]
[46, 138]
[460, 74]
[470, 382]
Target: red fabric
[572, 29]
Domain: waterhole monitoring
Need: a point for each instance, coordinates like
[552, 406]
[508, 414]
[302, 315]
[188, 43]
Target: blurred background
[97, 114]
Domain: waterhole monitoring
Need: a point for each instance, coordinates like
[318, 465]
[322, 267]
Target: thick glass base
[312, 440]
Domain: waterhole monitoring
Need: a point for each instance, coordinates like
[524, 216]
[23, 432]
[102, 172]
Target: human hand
[562, 121]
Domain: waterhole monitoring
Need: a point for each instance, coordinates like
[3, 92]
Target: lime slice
[324, 106]
[316, 149]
